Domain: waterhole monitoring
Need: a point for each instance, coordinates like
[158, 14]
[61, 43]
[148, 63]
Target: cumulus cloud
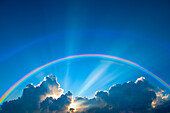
[131, 97]
[33, 95]
[59, 105]
[163, 108]
[162, 97]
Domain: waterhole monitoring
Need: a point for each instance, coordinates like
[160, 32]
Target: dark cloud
[163, 108]
[130, 97]
[59, 105]
[32, 96]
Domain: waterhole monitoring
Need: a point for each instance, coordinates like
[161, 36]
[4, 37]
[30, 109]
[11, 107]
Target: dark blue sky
[35, 32]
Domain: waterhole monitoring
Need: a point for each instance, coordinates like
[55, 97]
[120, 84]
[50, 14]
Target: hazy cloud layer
[131, 97]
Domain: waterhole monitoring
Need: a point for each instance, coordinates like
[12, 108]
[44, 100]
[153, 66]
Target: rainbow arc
[107, 57]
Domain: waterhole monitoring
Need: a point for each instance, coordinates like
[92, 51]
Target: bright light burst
[72, 107]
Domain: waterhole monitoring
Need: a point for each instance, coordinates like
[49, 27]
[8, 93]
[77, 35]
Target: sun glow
[72, 107]
[53, 96]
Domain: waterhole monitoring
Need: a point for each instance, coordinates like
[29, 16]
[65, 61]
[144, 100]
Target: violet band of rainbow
[108, 57]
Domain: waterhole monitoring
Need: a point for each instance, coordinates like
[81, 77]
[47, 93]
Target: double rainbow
[107, 57]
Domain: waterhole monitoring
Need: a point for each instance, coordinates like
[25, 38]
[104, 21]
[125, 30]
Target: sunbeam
[94, 76]
[66, 79]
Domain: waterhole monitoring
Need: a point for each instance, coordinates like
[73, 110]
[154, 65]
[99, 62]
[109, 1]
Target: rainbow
[108, 57]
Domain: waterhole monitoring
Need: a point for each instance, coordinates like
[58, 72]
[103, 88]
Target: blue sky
[33, 33]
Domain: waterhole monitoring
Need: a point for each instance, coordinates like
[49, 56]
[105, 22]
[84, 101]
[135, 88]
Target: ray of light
[66, 79]
[94, 76]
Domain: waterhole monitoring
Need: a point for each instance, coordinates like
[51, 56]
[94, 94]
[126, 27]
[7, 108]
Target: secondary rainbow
[108, 57]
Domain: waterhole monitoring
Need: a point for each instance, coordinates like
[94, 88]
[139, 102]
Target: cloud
[162, 97]
[130, 97]
[163, 108]
[59, 105]
[33, 95]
